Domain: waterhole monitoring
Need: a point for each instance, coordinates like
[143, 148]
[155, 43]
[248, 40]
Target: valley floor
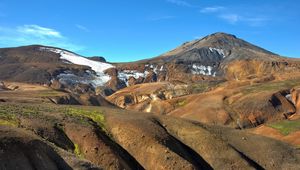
[37, 134]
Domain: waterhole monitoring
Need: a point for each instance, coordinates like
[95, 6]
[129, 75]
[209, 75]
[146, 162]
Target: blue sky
[128, 30]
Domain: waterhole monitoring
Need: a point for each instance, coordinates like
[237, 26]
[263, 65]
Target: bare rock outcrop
[295, 98]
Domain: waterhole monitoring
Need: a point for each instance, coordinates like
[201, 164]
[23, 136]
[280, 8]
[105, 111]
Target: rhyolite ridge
[214, 103]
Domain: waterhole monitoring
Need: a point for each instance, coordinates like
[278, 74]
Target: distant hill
[214, 57]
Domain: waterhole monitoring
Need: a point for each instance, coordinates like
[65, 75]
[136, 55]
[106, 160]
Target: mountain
[214, 103]
[217, 55]
[46, 63]
[202, 80]
[220, 43]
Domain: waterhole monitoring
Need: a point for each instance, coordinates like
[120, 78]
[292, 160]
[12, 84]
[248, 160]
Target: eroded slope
[84, 137]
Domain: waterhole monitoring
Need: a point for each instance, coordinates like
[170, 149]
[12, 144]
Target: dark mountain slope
[217, 55]
[33, 65]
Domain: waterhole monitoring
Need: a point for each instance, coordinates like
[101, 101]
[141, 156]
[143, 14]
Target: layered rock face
[249, 69]
[295, 98]
[236, 104]
[150, 97]
[2, 86]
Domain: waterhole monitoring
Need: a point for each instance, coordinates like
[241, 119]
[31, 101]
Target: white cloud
[227, 15]
[39, 31]
[34, 34]
[180, 3]
[249, 20]
[231, 18]
[212, 9]
[83, 28]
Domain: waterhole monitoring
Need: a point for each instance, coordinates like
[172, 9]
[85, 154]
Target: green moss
[181, 103]
[7, 116]
[95, 115]
[77, 151]
[286, 127]
[8, 123]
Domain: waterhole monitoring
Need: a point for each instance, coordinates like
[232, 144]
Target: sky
[129, 30]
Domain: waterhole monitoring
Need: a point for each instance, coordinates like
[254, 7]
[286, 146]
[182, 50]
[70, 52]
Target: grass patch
[199, 88]
[286, 127]
[50, 93]
[13, 110]
[7, 117]
[11, 113]
[271, 86]
[203, 86]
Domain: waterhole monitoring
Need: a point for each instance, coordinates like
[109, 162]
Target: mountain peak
[217, 46]
[221, 39]
[221, 35]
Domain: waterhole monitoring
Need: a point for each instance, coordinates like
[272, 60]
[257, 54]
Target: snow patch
[98, 80]
[155, 68]
[126, 74]
[69, 78]
[204, 70]
[219, 51]
[161, 68]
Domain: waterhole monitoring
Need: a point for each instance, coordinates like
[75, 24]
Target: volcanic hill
[214, 103]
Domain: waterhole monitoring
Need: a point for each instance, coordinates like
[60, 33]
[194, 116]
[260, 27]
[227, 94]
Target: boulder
[115, 83]
[55, 84]
[68, 100]
[93, 100]
[2, 86]
[151, 77]
[132, 81]
[281, 103]
[111, 72]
